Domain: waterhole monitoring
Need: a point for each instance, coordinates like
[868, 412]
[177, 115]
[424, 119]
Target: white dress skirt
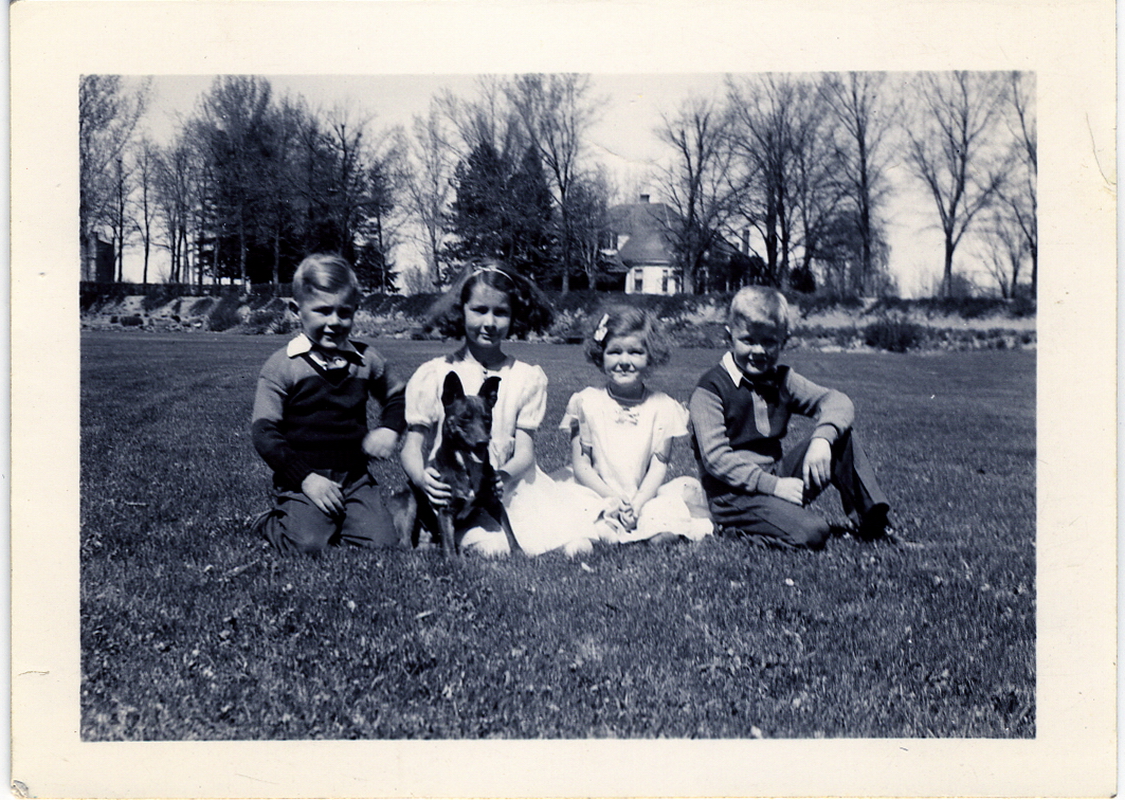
[622, 440]
[536, 508]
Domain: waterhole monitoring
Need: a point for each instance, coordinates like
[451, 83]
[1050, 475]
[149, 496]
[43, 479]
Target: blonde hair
[761, 305]
[324, 272]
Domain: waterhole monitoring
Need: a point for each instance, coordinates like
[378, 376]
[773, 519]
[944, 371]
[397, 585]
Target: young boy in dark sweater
[310, 420]
[740, 413]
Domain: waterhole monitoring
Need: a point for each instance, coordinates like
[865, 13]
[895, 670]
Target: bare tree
[1006, 250]
[772, 114]
[486, 119]
[108, 112]
[817, 193]
[556, 113]
[864, 121]
[120, 212]
[590, 197]
[697, 184]
[952, 151]
[429, 185]
[175, 197]
[1019, 193]
[147, 164]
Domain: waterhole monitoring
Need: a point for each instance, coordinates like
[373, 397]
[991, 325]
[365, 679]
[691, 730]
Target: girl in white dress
[485, 306]
[621, 441]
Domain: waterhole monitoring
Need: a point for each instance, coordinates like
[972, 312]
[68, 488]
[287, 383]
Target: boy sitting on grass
[310, 420]
[740, 413]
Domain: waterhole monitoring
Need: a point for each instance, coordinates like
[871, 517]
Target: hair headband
[482, 270]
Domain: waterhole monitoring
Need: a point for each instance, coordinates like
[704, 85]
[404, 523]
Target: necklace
[627, 412]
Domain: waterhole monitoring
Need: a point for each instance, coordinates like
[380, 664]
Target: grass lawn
[192, 629]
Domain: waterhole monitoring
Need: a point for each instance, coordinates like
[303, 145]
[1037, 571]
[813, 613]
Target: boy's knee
[812, 537]
[300, 528]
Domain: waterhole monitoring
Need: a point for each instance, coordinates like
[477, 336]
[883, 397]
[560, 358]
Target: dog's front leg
[448, 544]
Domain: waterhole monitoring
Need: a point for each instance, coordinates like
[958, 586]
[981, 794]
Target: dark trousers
[295, 524]
[788, 525]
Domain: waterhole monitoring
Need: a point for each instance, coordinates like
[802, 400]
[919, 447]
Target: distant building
[641, 259]
[638, 251]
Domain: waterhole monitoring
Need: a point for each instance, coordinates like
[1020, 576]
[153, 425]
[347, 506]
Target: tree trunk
[276, 259]
[242, 254]
[947, 272]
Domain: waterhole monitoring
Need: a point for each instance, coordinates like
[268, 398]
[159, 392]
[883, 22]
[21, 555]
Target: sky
[622, 139]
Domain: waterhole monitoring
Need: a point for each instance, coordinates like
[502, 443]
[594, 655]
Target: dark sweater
[310, 419]
[737, 428]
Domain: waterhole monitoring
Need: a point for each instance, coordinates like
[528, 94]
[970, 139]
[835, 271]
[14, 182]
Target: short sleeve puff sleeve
[575, 415]
[671, 421]
[533, 400]
[423, 394]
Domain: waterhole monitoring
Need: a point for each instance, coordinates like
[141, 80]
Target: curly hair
[530, 309]
[625, 320]
[325, 272]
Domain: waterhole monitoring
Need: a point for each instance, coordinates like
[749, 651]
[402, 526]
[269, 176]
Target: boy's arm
[832, 409]
[266, 434]
[719, 458]
[391, 395]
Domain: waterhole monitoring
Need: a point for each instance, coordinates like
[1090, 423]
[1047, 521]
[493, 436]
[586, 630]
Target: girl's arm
[414, 465]
[654, 477]
[523, 456]
[583, 466]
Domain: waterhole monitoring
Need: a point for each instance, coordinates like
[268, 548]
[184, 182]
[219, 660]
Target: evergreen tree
[477, 217]
[529, 211]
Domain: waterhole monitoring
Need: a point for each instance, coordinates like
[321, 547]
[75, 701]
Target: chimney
[644, 198]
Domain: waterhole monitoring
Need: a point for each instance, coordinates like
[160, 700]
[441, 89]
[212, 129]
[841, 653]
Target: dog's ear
[490, 390]
[452, 390]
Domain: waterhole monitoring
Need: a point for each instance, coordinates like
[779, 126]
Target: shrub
[822, 301]
[161, 295]
[200, 307]
[894, 333]
[225, 315]
[1023, 305]
[132, 321]
[273, 317]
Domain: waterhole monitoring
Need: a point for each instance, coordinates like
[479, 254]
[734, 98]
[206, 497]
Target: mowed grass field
[193, 629]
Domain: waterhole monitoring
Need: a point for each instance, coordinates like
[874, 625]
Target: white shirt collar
[301, 344]
[737, 375]
[732, 369]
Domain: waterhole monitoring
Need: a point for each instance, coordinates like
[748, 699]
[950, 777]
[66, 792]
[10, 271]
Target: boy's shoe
[875, 525]
[258, 522]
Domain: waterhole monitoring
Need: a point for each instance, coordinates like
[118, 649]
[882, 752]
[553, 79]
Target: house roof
[644, 224]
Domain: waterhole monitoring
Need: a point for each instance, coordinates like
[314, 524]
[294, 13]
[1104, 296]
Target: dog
[463, 463]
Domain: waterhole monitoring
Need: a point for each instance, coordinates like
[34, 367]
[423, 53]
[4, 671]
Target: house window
[664, 283]
[638, 281]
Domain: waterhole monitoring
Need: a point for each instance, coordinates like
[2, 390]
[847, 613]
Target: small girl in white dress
[485, 306]
[621, 441]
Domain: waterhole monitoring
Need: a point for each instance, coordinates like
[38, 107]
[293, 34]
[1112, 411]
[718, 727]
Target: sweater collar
[768, 380]
[300, 344]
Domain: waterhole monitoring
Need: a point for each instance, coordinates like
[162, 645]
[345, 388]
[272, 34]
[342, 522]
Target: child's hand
[438, 492]
[817, 469]
[380, 443]
[498, 478]
[628, 516]
[791, 489]
[620, 510]
[324, 493]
